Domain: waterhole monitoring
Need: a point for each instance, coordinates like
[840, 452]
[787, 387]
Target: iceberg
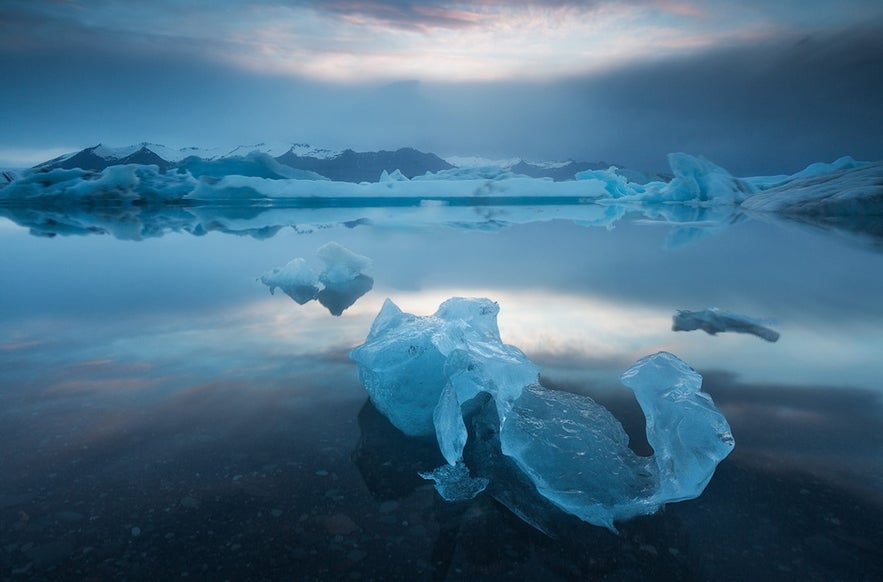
[341, 264]
[296, 279]
[696, 181]
[407, 363]
[845, 188]
[449, 374]
[338, 286]
[128, 183]
[714, 321]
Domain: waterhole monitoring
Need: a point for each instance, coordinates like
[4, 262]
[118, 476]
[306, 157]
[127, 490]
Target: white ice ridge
[714, 321]
[431, 374]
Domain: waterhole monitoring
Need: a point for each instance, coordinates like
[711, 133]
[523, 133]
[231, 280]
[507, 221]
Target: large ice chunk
[714, 321]
[407, 363]
[689, 435]
[439, 373]
[577, 455]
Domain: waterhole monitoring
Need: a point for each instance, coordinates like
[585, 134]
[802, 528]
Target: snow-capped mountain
[99, 157]
[278, 160]
[345, 166]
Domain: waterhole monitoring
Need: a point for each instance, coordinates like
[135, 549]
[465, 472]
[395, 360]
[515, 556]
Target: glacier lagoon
[164, 414]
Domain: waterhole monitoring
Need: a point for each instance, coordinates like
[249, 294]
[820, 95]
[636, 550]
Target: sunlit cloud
[358, 40]
[510, 42]
[422, 16]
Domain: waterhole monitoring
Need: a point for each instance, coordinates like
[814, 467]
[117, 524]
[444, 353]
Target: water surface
[163, 416]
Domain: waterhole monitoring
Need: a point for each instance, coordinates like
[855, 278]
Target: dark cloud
[769, 106]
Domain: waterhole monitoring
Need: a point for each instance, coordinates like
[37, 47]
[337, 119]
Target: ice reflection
[337, 297]
[860, 230]
[689, 223]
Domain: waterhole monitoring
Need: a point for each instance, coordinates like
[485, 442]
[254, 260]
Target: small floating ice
[714, 321]
[337, 286]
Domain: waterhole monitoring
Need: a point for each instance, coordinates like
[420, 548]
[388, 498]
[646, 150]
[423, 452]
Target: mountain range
[278, 161]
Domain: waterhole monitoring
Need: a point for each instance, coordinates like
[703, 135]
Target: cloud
[753, 105]
[387, 40]
[405, 14]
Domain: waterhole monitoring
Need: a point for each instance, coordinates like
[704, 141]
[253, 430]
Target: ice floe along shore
[842, 187]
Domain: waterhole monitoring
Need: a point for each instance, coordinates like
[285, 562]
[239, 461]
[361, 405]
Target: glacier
[337, 286]
[713, 321]
[450, 375]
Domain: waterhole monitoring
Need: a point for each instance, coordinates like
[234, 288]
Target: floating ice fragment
[296, 279]
[537, 449]
[341, 264]
[714, 321]
[453, 482]
[337, 286]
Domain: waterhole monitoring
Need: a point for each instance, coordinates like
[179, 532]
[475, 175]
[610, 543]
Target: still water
[162, 416]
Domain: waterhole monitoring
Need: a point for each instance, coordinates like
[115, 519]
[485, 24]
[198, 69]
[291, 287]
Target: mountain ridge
[338, 165]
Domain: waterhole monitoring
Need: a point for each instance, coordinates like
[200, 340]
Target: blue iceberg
[444, 373]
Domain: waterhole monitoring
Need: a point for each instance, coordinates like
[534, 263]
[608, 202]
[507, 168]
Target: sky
[758, 87]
